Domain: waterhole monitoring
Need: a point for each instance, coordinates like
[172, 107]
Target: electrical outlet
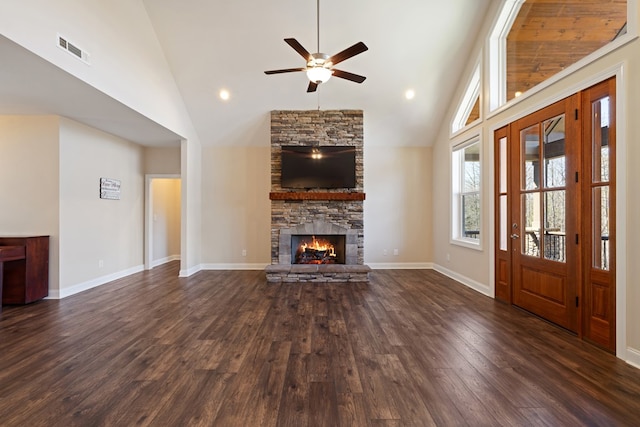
[384, 252]
[244, 252]
[448, 257]
[100, 263]
[395, 252]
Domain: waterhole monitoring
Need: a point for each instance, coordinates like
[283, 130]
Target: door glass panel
[601, 246]
[555, 225]
[504, 225]
[531, 221]
[554, 152]
[502, 188]
[530, 140]
[600, 113]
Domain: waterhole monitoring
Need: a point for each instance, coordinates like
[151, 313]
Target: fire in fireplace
[317, 249]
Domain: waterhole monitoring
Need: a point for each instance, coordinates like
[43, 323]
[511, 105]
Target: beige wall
[398, 206]
[236, 206]
[477, 265]
[166, 219]
[29, 171]
[235, 203]
[99, 237]
[162, 160]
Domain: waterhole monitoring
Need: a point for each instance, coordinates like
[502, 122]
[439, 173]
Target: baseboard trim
[633, 357]
[165, 260]
[190, 271]
[401, 265]
[94, 283]
[470, 283]
[234, 266]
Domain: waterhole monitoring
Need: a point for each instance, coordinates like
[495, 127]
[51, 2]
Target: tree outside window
[466, 198]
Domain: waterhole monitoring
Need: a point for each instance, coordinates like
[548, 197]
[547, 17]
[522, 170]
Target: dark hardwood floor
[225, 348]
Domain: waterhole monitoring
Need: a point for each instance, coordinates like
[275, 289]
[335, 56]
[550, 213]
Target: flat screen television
[318, 167]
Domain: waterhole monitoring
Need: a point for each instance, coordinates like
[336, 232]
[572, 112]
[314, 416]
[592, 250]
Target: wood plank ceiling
[550, 35]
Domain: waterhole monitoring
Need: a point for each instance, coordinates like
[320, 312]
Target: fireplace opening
[318, 249]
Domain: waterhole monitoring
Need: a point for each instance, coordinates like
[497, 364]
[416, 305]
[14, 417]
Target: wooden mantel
[307, 195]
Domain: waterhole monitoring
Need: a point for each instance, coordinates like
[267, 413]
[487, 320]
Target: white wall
[121, 42]
[165, 219]
[29, 171]
[99, 238]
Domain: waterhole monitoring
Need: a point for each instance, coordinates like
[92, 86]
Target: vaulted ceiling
[421, 45]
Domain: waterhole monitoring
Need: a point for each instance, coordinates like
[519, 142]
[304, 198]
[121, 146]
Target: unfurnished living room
[319, 213]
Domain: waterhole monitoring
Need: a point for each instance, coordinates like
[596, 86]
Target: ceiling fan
[319, 66]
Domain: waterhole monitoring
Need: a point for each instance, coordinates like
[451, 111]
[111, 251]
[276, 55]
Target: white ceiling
[213, 44]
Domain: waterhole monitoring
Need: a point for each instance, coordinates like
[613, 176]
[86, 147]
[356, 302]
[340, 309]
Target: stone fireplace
[334, 214]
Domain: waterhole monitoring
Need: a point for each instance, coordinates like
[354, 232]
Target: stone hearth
[317, 273]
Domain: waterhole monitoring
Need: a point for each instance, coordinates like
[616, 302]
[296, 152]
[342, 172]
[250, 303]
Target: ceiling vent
[64, 43]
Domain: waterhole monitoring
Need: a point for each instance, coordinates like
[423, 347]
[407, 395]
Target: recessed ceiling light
[410, 94]
[224, 94]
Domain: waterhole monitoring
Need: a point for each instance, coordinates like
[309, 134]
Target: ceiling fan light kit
[318, 70]
[319, 66]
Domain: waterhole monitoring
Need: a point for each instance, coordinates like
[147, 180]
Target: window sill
[474, 244]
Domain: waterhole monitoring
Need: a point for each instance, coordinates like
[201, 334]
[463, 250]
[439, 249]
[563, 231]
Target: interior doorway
[162, 219]
[555, 213]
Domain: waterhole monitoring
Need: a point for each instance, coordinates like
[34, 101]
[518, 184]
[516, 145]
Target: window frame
[466, 104]
[457, 226]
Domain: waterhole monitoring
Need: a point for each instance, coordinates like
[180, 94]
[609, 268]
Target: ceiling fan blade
[312, 87]
[348, 76]
[286, 70]
[348, 53]
[298, 48]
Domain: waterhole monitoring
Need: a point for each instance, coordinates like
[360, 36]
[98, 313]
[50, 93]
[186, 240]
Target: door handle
[515, 236]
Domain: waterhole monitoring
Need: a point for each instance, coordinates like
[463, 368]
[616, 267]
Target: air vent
[71, 48]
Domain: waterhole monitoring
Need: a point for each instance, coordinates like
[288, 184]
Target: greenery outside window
[466, 169]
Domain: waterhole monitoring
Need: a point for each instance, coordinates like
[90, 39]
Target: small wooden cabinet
[27, 279]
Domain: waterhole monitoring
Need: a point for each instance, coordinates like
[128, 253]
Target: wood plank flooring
[222, 348]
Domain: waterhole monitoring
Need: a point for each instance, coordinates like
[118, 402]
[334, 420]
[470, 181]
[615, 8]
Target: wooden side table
[26, 279]
[9, 253]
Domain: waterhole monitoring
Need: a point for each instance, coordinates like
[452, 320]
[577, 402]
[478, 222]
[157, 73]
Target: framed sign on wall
[109, 189]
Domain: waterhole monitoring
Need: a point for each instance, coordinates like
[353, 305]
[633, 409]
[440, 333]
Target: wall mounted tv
[318, 167]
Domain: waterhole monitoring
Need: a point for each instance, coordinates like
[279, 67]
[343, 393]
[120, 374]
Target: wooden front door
[555, 213]
[544, 212]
